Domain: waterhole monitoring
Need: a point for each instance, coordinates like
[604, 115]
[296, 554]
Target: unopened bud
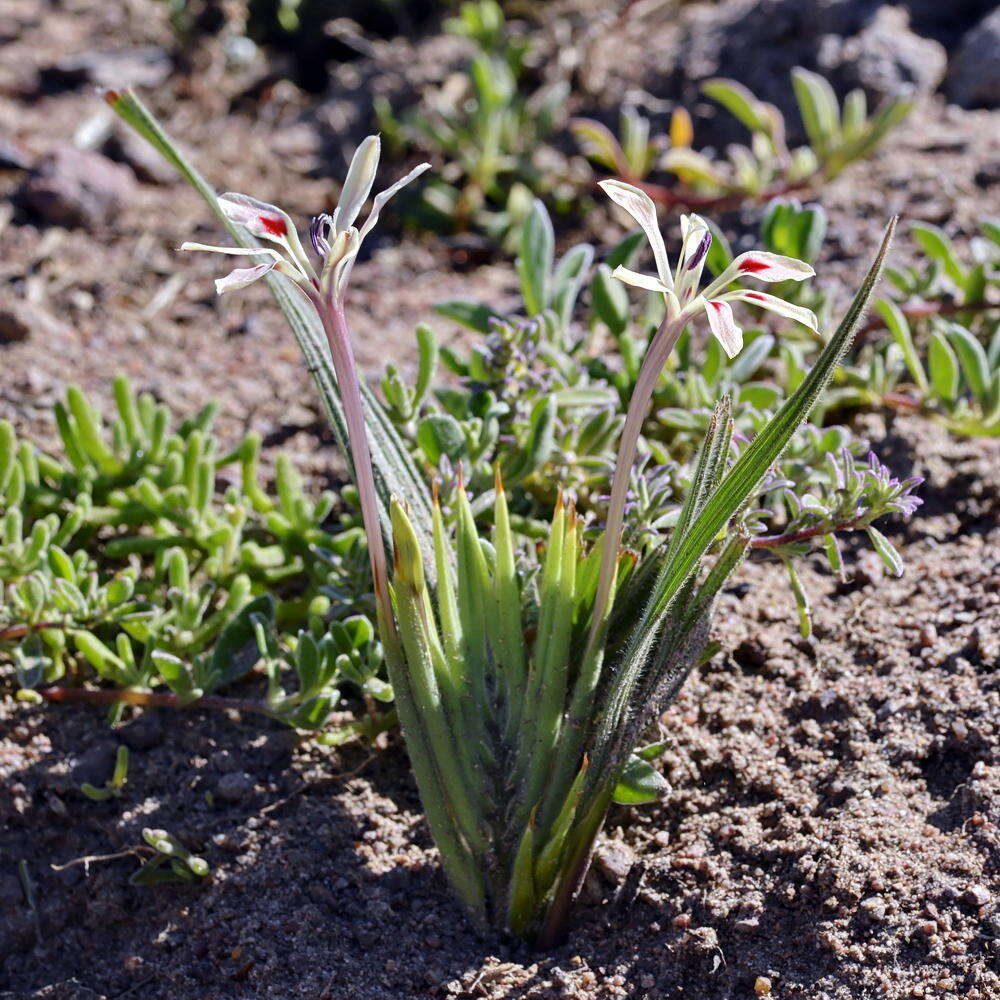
[408, 565]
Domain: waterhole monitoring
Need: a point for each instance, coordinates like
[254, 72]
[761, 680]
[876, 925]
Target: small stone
[278, 747]
[928, 928]
[144, 732]
[886, 58]
[762, 986]
[974, 74]
[234, 787]
[874, 906]
[77, 187]
[97, 764]
[928, 635]
[976, 895]
[748, 925]
[12, 156]
[614, 860]
[20, 320]
[126, 147]
[146, 67]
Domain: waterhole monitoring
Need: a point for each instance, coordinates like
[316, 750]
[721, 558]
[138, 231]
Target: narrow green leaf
[534, 265]
[972, 358]
[898, 326]
[819, 109]
[943, 365]
[471, 315]
[738, 101]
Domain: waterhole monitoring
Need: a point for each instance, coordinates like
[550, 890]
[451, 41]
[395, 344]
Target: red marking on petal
[753, 266]
[273, 225]
[718, 306]
[755, 295]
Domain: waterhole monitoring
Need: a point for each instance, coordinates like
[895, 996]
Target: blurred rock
[144, 732]
[234, 787]
[146, 66]
[852, 42]
[76, 187]
[974, 74]
[886, 58]
[20, 320]
[12, 157]
[97, 764]
[124, 146]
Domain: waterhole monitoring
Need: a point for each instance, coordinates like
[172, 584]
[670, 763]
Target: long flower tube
[683, 302]
[336, 241]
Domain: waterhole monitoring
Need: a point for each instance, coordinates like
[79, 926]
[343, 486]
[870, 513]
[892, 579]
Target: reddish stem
[777, 541]
[922, 310]
[20, 631]
[679, 198]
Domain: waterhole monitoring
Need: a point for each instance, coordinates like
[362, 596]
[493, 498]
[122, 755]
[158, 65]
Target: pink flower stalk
[336, 240]
[685, 300]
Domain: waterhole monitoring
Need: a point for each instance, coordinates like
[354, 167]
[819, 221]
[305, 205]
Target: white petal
[640, 206]
[697, 238]
[235, 251]
[358, 183]
[647, 281]
[773, 304]
[341, 262]
[243, 276]
[724, 328]
[379, 201]
[771, 266]
[256, 217]
[761, 265]
[265, 221]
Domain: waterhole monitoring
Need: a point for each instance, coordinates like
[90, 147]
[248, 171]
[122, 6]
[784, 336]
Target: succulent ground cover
[853, 867]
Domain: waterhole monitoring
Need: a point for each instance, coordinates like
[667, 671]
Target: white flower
[335, 238]
[681, 288]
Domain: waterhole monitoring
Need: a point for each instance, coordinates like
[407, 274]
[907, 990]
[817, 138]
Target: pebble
[20, 320]
[928, 635]
[97, 764]
[12, 156]
[145, 66]
[224, 762]
[976, 895]
[234, 787]
[143, 733]
[762, 986]
[614, 859]
[76, 187]
[974, 77]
